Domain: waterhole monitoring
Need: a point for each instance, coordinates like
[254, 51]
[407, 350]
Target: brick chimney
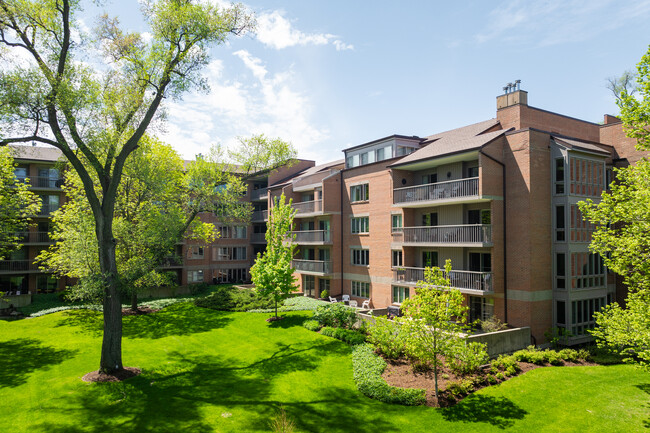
[611, 119]
[512, 98]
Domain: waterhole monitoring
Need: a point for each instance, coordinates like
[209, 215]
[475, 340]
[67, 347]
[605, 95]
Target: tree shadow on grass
[182, 396]
[288, 321]
[645, 387]
[497, 411]
[23, 356]
[178, 319]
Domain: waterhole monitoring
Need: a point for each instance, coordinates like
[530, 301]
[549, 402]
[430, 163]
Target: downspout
[341, 228]
[505, 249]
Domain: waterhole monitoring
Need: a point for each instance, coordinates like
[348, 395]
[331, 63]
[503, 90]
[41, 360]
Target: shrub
[229, 298]
[347, 335]
[491, 379]
[505, 362]
[281, 423]
[385, 335]
[512, 371]
[584, 354]
[311, 325]
[569, 355]
[199, 288]
[500, 376]
[324, 294]
[445, 376]
[335, 315]
[492, 324]
[368, 367]
[467, 358]
[460, 388]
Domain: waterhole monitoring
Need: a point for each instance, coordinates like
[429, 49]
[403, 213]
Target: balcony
[305, 208]
[259, 194]
[10, 266]
[260, 216]
[35, 237]
[172, 262]
[470, 235]
[432, 194]
[466, 281]
[313, 237]
[258, 238]
[42, 181]
[46, 209]
[313, 266]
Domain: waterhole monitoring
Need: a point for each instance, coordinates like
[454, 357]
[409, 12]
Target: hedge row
[368, 367]
[347, 335]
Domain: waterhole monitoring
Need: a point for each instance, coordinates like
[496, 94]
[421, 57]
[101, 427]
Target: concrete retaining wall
[16, 301]
[507, 341]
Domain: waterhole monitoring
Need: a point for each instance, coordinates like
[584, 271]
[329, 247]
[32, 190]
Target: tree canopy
[17, 205]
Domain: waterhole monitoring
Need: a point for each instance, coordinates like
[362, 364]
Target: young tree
[434, 320]
[622, 236]
[97, 117]
[272, 272]
[17, 204]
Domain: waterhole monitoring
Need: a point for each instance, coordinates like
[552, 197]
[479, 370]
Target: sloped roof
[450, 144]
[36, 153]
[464, 131]
[582, 145]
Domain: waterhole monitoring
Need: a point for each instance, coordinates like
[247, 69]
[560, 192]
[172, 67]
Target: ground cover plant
[207, 370]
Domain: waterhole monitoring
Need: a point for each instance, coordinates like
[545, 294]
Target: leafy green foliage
[505, 363]
[17, 205]
[368, 367]
[335, 315]
[460, 388]
[349, 336]
[311, 325]
[466, 359]
[540, 357]
[491, 324]
[272, 272]
[387, 337]
[230, 298]
[296, 303]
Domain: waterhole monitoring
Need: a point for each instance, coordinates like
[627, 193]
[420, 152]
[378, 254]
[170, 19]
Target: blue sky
[332, 74]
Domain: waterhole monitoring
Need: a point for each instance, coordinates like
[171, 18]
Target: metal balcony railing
[436, 191]
[46, 209]
[459, 279]
[258, 237]
[311, 236]
[259, 194]
[35, 237]
[42, 181]
[321, 266]
[172, 262]
[260, 215]
[306, 207]
[459, 234]
[17, 265]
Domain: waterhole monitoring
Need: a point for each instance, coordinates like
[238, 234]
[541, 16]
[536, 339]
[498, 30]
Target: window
[229, 253]
[195, 276]
[429, 178]
[560, 313]
[472, 171]
[399, 294]
[48, 178]
[196, 252]
[560, 271]
[397, 258]
[582, 313]
[359, 193]
[396, 222]
[20, 173]
[559, 176]
[384, 153]
[361, 225]
[559, 224]
[46, 284]
[581, 230]
[587, 270]
[480, 308]
[50, 203]
[404, 150]
[430, 219]
[363, 159]
[360, 289]
[587, 176]
[360, 257]
[309, 284]
[352, 161]
[231, 275]
[323, 284]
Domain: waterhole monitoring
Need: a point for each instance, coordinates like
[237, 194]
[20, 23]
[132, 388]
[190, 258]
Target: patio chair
[366, 304]
[333, 300]
[352, 304]
[346, 298]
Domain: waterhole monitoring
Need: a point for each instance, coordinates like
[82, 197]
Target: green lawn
[208, 371]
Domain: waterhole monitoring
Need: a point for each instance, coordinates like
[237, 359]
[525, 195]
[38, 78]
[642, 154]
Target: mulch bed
[274, 319]
[140, 311]
[118, 376]
[400, 373]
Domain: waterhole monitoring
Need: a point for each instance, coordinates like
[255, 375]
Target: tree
[622, 235]
[434, 320]
[17, 204]
[156, 208]
[623, 84]
[97, 116]
[272, 272]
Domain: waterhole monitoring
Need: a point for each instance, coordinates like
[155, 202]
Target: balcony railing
[306, 207]
[172, 262]
[17, 265]
[46, 209]
[259, 194]
[311, 236]
[459, 279]
[460, 234]
[436, 191]
[260, 215]
[320, 266]
[258, 237]
[41, 181]
[35, 237]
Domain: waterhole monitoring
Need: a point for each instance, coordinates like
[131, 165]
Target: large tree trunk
[111, 359]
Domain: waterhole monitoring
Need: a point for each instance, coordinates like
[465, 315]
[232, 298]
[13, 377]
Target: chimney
[609, 119]
[513, 95]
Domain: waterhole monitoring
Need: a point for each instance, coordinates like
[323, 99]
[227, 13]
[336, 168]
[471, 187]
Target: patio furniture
[366, 304]
[333, 300]
[353, 304]
[346, 298]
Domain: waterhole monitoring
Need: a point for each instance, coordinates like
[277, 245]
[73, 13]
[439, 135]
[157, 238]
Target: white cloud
[553, 22]
[275, 31]
[265, 102]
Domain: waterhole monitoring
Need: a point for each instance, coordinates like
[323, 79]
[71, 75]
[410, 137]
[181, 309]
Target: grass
[207, 371]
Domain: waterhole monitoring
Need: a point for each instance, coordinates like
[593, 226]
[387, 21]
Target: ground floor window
[46, 284]
[399, 294]
[13, 284]
[195, 276]
[237, 275]
[480, 308]
[308, 285]
[360, 289]
[324, 284]
[582, 313]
